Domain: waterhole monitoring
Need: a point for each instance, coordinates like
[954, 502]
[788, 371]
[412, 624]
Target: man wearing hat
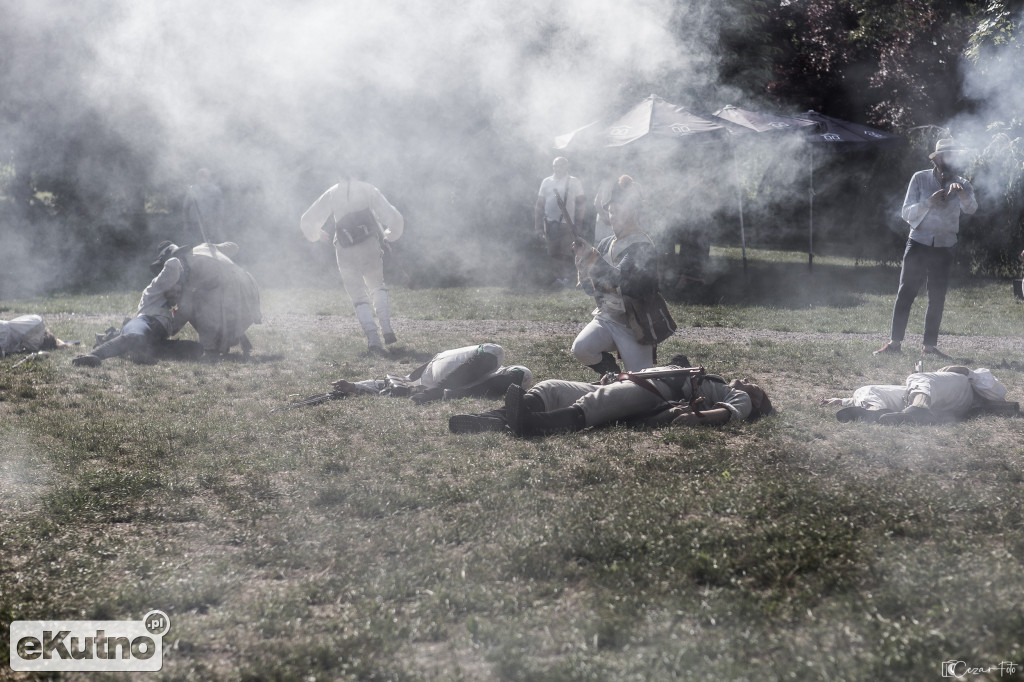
[932, 206]
[154, 320]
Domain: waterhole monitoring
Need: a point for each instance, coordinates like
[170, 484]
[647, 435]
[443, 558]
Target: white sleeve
[168, 277]
[915, 206]
[388, 216]
[316, 215]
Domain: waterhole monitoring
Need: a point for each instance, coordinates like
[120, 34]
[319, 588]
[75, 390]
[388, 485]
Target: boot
[119, 345]
[477, 423]
[562, 420]
[364, 313]
[606, 365]
[382, 306]
[525, 415]
[912, 414]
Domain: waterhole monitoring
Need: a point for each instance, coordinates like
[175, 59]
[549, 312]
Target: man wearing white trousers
[354, 215]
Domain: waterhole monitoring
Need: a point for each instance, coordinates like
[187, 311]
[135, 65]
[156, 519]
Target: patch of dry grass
[359, 540]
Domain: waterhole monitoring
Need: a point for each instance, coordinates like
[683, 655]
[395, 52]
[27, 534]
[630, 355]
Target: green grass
[359, 540]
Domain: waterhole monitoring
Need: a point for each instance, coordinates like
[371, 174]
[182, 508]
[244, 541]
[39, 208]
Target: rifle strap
[642, 382]
[565, 200]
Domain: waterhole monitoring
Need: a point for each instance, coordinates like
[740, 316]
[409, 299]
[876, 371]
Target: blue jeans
[922, 263]
[147, 326]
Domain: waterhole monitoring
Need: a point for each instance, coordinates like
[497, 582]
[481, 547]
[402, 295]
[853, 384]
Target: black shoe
[910, 415]
[852, 414]
[606, 366]
[514, 409]
[475, 423]
[86, 361]
[890, 348]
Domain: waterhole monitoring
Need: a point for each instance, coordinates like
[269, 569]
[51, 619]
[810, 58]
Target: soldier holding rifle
[621, 273]
[558, 212]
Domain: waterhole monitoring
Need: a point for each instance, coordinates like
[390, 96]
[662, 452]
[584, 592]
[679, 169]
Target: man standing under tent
[550, 222]
[935, 199]
[350, 214]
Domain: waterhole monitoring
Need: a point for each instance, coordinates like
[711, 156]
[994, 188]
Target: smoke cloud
[451, 109]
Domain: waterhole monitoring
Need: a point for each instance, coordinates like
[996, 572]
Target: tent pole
[739, 198]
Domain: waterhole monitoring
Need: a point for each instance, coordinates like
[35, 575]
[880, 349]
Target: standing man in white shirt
[550, 223]
[354, 215]
[935, 199]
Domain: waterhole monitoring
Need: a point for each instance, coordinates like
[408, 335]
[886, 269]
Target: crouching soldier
[675, 394]
[199, 285]
[153, 321]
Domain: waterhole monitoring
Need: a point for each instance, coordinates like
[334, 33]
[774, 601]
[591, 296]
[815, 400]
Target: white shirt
[351, 196]
[950, 394]
[935, 225]
[568, 187]
[154, 301]
[24, 332]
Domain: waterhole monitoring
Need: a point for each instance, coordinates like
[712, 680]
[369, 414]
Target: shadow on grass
[795, 285]
[789, 285]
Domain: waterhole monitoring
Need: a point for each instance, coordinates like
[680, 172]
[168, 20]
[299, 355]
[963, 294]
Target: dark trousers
[922, 264]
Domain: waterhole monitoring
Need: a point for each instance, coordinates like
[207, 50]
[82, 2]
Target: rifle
[313, 400]
[565, 216]
[641, 378]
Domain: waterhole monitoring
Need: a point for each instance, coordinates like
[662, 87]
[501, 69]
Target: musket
[695, 373]
[199, 219]
[312, 400]
[565, 216]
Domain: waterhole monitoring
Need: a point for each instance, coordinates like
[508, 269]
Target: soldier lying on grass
[29, 334]
[675, 394]
[949, 394]
[471, 371]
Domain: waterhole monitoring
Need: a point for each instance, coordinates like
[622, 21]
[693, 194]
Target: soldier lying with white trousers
[946, 395]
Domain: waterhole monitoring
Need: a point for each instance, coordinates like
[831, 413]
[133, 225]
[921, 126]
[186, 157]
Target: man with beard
[935, 199]
[676, 394]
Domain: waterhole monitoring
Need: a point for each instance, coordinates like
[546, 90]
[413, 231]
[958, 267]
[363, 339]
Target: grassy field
[360, 540]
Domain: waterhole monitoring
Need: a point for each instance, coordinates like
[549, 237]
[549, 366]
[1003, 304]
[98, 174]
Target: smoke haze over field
[450, 109]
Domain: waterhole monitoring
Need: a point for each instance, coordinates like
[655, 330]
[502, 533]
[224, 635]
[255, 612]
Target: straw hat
[946, 145]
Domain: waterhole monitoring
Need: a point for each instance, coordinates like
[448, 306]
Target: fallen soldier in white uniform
[950, 394]
[467, 372]
[29, 334]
